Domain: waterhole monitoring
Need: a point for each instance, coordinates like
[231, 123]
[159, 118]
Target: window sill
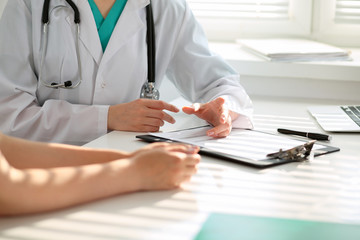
[325, 80]
[247, 63]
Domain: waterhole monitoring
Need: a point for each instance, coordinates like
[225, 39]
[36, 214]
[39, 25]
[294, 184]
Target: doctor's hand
[161, 166]
[215, 113]
[141, 115]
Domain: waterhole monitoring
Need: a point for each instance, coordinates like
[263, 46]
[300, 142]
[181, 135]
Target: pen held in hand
[316, 136]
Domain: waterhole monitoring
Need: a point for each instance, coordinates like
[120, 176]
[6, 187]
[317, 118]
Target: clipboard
[250, 147]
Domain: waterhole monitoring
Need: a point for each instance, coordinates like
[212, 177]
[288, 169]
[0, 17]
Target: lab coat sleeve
[202, 76]
[21, 115]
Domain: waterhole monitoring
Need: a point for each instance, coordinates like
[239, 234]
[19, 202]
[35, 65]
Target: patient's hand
[164, 166]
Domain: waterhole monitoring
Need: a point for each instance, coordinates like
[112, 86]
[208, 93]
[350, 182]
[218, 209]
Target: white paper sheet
[248, 144]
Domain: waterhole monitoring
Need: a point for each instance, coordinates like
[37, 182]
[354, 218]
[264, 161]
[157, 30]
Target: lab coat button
[103, 85]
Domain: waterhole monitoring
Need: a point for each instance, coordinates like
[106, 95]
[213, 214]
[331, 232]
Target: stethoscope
[148, 90]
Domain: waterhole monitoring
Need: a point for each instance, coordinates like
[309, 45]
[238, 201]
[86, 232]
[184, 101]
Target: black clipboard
[321, 149]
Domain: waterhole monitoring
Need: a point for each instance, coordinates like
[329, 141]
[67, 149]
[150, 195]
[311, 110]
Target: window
[337, 22]
[243, 9]
[231, 19]
[347, 11]
[334, 21]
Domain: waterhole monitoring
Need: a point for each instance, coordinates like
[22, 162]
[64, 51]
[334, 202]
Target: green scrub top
[106, 26]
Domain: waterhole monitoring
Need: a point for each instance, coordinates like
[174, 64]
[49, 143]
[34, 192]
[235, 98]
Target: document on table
[247, 146]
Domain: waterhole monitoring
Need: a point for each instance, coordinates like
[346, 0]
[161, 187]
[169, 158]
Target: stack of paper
[294, 50]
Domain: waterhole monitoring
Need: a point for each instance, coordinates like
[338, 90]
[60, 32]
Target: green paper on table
[229, 227]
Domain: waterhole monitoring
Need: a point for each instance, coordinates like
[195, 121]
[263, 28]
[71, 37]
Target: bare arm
[37, 190]
[158, 166]
[26, 154]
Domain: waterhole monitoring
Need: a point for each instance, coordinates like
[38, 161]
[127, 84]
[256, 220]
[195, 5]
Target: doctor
[105, 58]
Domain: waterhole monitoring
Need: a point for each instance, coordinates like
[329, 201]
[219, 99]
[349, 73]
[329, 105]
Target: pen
[316, 136]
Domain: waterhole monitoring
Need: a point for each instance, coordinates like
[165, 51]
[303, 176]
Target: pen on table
[316, 136]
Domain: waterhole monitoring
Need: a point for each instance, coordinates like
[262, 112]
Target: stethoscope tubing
[46, 8]
[46, 21]
[150, 38]
[149, 86]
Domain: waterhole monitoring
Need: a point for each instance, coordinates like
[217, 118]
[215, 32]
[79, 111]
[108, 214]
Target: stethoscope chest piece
[149, 91]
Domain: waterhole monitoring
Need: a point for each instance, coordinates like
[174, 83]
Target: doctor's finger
[155, 122]
[148, 128]
[218, 102]
[160, 105]
[224, 115]
[219, 131]
[194, 108]
[160, 115]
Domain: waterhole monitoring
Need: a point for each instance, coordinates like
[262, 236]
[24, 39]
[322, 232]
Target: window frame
[298, 25]
[311, 19]
[325, 28]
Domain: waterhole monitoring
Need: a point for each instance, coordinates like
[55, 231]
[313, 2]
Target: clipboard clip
[297, 154]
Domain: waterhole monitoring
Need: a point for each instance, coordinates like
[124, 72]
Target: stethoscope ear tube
[45, 12]
[45, 20]
[46, 7]
[76, 11]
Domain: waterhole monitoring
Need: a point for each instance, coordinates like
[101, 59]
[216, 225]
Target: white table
[325, 189]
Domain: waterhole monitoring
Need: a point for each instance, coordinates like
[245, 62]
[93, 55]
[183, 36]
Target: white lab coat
[30, 110]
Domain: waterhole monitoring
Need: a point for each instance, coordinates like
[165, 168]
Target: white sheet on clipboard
[248, 144]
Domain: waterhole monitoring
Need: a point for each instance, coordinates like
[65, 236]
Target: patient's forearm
[38, 190]
[25, 154]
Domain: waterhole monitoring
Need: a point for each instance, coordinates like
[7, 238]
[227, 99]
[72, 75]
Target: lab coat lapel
[128, 24]
[88, 32]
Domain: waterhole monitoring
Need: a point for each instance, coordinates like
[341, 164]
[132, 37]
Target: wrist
[124, 176]
[133, 173]
[109, 118]
[233, 115]
[119, 155]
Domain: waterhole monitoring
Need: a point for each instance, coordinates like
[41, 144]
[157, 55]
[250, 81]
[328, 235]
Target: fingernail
[196, 106]
[210, 133]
